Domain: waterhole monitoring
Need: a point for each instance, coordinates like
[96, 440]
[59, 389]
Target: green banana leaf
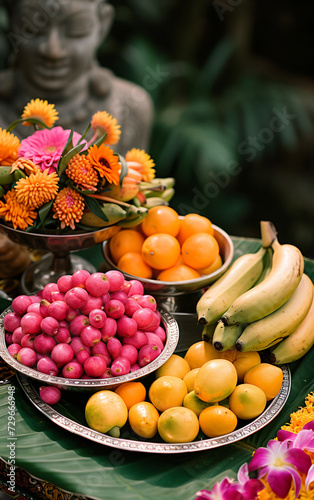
[78, 465]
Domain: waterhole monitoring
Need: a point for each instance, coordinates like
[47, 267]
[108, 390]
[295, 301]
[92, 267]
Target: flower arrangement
[58, 180]
[284, 468]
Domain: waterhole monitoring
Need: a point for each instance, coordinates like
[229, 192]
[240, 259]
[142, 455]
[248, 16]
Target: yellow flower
[42, 111]
[19, 214]
[9, 145]
[141, 161]
[68, 207]
[82, 173]
[105, 162]
[37, 189]
[103, 123]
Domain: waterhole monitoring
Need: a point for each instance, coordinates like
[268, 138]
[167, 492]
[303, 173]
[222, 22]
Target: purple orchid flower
[228, 489]
[281, 464]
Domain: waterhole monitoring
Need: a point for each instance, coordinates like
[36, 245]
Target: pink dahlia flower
[44, 147]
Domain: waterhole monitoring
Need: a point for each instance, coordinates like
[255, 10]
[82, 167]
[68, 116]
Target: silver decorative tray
[128, 440]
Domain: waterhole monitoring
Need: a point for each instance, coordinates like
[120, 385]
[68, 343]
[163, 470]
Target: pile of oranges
[167, 247]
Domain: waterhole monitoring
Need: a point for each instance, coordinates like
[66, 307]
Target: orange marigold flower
[9, 145]
[82, 172]
[28, 166]
[37, 108]
[37, 189]
[103, 123]
[105, 162]
[68, 207]
[141, 161]
[19, 214]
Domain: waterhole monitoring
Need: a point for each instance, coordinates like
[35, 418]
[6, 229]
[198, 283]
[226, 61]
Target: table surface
[51, 462]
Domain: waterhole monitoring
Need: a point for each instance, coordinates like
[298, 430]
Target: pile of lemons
[203, 391]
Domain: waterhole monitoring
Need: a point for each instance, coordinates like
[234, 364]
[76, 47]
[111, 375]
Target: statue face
[57, 40]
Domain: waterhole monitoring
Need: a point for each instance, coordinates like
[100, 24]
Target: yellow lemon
[217, 420]
[247, 401]
[143, 419]
[167, 391]
[215, 380]
[175, 366]
[189, 379]
[178, 425]
[194, 403]
[266, 376]
[199, 353]
[242, 361]
[106, 412]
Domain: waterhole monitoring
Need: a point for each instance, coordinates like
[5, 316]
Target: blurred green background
[232, 85]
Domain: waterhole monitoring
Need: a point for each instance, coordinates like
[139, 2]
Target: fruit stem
[268, 233]
[114, 431]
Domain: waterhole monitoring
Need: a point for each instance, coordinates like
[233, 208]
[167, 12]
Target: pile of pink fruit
[85, 326]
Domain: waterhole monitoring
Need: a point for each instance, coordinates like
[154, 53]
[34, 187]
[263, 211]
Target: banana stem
[110, 200]
[268, 233]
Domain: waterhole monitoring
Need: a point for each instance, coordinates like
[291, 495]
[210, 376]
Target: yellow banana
[273, 291]
[273, 328]
[113, 212]
[240, 277]
[133, 211]
[297, 344]
[165, 195]
[5, 175]
[126, 223]
[225, 337]
[155, 201]
[208, 332]
[267, 263]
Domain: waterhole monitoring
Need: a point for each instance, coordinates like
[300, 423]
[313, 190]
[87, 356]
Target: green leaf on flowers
[124, 168]
[100, 140]
[44, 210]
[64, 160]
[84, 134]
[94, 207]
[33, 121]
[69, 144]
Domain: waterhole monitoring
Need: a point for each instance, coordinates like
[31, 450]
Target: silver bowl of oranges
[170, 254]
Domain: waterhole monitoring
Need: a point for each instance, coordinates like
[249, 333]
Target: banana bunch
[158, 191]
[264, 300]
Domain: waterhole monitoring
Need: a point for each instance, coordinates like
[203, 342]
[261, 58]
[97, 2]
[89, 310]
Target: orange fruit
[133, 263]
[131, 393]
[126, 240]
[242, 361]
[189, 379]
[167, 391]
[178, 273]
[106, 412]
[217, 420]
[200, 250]
[266, 376]
[194, 403]
[143, 419]
[215, 380]
[213, 267]
[161, 219]
[161, 250]
[247, 401]
[178, 425]
[175, 366]
[199, 353]
[192, 224]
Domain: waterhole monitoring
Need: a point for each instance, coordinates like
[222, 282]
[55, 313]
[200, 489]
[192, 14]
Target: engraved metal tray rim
[66, 423]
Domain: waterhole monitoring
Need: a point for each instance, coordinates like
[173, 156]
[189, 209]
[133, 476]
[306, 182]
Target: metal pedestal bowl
[179, 295]
[58, 259]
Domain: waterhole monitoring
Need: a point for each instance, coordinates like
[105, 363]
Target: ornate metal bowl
[173, 288]
[172, 336]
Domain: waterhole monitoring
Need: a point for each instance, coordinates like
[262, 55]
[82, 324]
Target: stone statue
[54, 46]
